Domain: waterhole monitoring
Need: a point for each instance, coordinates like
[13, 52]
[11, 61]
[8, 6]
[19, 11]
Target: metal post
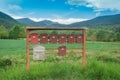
[27, 51]
[84, 49]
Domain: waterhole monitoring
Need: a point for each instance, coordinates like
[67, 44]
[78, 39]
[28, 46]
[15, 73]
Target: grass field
[103, 63]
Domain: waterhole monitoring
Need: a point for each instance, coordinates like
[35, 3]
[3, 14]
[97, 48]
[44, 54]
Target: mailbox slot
[71, 38]
[79, 38]
[43, 38]
[62, 38]
[33, 38]
[62, 50]
[53, 38]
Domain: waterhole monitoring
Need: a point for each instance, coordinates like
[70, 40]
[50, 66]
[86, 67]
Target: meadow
[103, 63]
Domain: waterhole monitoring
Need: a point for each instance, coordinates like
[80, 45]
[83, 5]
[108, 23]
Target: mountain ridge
[46, 23]
[101, 20]
[7, 20]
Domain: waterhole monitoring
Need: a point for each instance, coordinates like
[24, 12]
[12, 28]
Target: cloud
[98, 5]
[14, 7]
[16, 17]
[61, 20]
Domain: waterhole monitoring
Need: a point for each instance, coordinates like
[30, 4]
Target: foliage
[5, 62]
[17, 32]
[104, 33]
[3, 32]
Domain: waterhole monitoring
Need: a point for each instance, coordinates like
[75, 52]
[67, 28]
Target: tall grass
[95, 70]
[103, 63]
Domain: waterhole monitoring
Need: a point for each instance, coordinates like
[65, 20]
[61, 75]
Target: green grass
[103, 63]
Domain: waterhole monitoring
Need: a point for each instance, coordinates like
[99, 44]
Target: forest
[96, 33]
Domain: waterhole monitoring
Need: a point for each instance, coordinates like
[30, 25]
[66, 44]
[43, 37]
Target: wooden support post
[84, 49]
[28, 29]
[27, 51]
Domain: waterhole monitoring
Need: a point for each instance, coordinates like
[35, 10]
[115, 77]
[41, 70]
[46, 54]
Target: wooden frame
[28, 29]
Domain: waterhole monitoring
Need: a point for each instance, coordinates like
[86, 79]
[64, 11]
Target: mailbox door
[43, 38]
[62, 50]
[79, 38]
[62, 38]
[33, 38]
[71, 39]
[53, 38]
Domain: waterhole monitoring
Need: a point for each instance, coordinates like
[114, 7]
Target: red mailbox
[33, 38]
[43, 38]
[62, 50]
[62, 38]
[79, 38]
[71, 38]
[53, 38]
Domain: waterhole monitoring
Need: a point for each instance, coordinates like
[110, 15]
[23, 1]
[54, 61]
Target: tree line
[109, 34]
[15, 32]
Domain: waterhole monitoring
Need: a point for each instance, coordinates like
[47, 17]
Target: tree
[3, 32]
[102, 35]
[17, 32]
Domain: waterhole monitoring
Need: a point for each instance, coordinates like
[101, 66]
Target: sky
[62, 11]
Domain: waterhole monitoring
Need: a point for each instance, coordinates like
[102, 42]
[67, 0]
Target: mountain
[7, 21]
[46, 23]
[26, 21]
[99, 21]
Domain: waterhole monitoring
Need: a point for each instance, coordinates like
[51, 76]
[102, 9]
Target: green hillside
[7, 21]
[109, 20]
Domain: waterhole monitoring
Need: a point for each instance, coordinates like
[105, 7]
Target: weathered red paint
[71, 38]
[79, 38]
[43, 38]
[53, 38]
[62, 50]
[33, 38]
[62, 38]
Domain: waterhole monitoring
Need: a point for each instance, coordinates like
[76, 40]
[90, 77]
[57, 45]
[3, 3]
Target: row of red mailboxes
[53, 38]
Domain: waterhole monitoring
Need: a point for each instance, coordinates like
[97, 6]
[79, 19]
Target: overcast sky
[62, 11]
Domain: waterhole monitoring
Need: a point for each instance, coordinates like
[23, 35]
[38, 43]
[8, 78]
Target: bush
[5, 62]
